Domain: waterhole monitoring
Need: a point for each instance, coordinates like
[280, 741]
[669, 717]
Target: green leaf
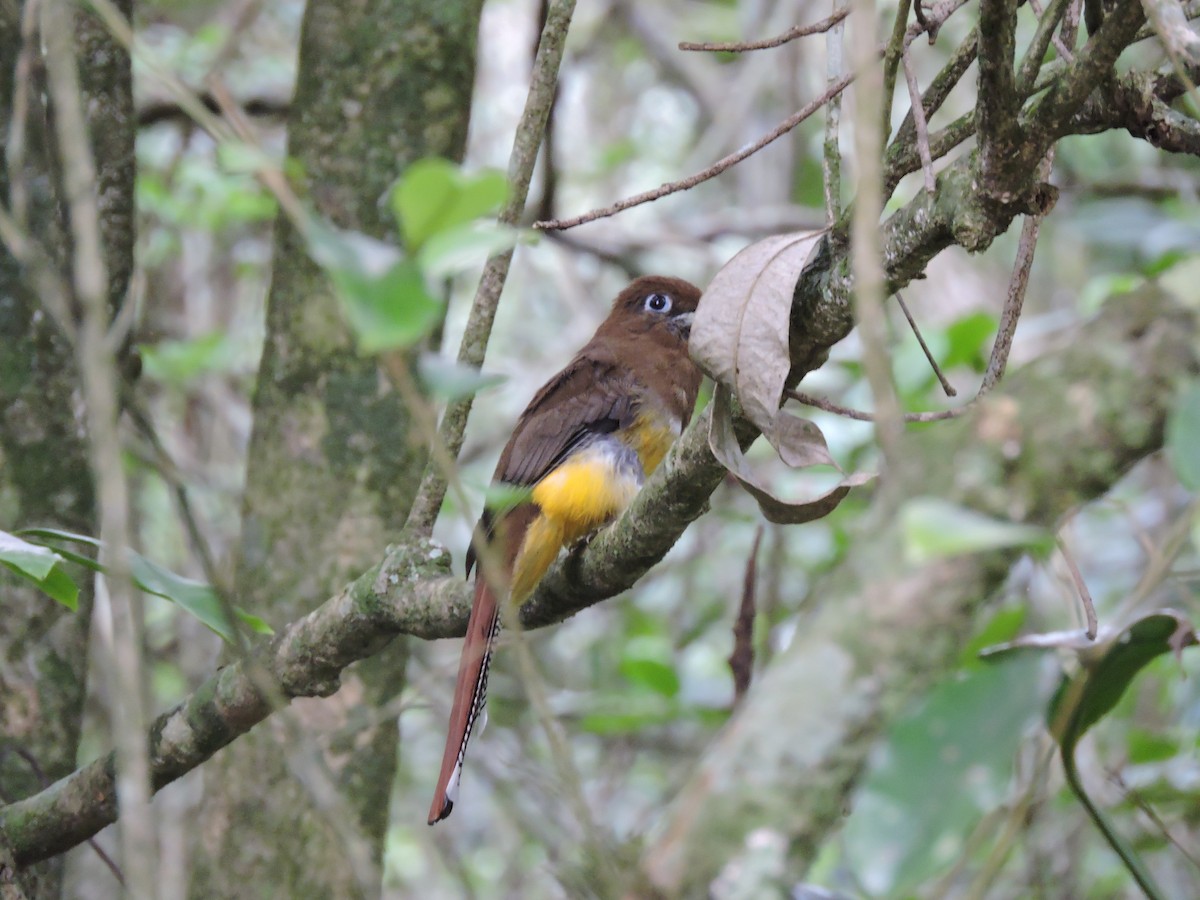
[446, 379]
[434, 196]
[41, 567]
[458, 249]
[383, 294]
[1101, 287]
[1148, 747]
[179, 362]
[969, 340]
[936, 529]
[241, 158]
[628, 714]
[60, 586]
[1085, 698]
[1183, 436]
[500, 498]
[940, 770]
[195, 597]
[1003, 626]
[647, 662]
[27, 559]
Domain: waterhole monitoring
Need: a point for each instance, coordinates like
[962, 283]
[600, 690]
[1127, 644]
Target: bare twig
[18, 197]
[891, 63]
[1031, 62]
[998, 106]
[919, 15]
[790, 35]
[1178, 39]
[118, 606]
[1081, 588]
[934, 19]
[712, 171]
[902, 156]
[1136, 798]
[918, 111]
[1059, 45]
[866, 261]
[831, 154]
[947, 387]
[1013, 304]
[741, 659]
[526, 142]
[44, 780]
[838, 410]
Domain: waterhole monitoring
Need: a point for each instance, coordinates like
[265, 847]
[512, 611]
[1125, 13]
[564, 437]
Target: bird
[577, 457]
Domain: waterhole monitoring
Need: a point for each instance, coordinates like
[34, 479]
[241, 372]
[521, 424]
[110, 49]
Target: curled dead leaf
[740, 333]
[725, 447]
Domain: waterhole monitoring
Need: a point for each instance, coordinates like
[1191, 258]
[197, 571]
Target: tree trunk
[332, 467]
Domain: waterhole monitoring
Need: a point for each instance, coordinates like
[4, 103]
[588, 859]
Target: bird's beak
[682, 324]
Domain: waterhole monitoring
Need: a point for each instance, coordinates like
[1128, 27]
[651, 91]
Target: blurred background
[960, 796]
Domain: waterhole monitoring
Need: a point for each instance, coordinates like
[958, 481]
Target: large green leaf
[1183, 436]
[940, 770]
[449, 380]
[434, 195]
[28, 559]
[1083, 699]
[460, 248]
[936, 529]
[39, 566]
[382, 292]
[195, 597]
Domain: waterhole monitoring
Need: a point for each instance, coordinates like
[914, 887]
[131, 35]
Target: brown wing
[590, 396]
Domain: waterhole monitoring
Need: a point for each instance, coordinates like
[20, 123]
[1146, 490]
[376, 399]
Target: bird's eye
[659, 303]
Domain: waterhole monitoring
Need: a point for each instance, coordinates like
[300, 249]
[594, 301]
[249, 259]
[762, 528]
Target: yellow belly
[590, 488]
[584, 492]
[651, 436]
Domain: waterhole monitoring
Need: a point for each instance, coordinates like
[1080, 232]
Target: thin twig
[471, 351]
[1061, 47]
[1081, 588]
[1047, 28]
[934, 20]
[18, 196]
[119, 607]
[1135, 797]
[918, 111]
[712, 171]
[919, 15]
[912, 323]
[838, 410]
[791, 34]
[866, 251]
[741, 659]
[831, 154]
[1013, 304]
[891, 62]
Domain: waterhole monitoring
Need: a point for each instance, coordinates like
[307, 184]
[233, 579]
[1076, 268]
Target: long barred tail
[470, 694]
[530, 543]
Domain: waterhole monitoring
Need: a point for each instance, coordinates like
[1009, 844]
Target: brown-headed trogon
[581, 449]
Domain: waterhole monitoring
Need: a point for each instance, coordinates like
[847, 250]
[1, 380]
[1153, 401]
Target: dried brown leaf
[740, 334]
[725, 447]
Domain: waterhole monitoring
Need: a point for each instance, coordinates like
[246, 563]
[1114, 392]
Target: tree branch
[410, 592]
[996, 112]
